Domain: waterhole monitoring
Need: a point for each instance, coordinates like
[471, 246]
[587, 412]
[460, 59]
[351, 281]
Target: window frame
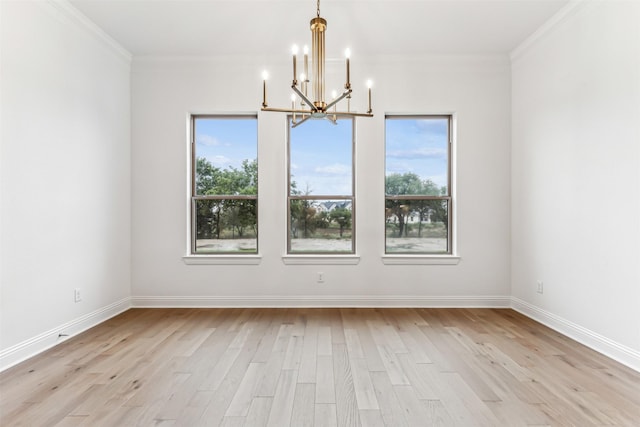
[194, 257]
[323, 197]
[420, 257]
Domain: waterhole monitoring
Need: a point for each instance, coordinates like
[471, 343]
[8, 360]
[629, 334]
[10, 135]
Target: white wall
[65, 176]
[165, 91]
[576, 176]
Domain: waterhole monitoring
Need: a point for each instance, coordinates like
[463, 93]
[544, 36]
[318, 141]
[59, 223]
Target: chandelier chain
[318, 8]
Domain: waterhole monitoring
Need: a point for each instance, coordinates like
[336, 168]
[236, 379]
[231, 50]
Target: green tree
[303, 214]
[213, 216]
[342, 216]
[207, 211]
[426, 208]
[410, 184]
[401, 184]
[323, 220]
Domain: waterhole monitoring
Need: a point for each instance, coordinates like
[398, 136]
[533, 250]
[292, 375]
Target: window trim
[221, 257]
[321, 257]
[405, 258]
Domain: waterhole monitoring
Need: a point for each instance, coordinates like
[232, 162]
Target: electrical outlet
[540, 289]
[320, 277]
[77, 296]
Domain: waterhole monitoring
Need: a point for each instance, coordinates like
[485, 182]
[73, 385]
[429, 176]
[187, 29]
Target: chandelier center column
[318, 27]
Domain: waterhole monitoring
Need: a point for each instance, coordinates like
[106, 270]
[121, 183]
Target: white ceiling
[251, 27]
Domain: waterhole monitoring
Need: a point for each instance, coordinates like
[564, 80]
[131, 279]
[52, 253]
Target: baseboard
[271, 301]
[33, 346]
[621, 353]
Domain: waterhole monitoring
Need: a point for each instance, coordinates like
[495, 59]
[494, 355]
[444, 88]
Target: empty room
[320, 213]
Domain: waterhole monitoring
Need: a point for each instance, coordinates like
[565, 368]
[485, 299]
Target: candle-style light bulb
[303, 83]
[293, 107]
[294, 50]
[265, 76]
[347, 54]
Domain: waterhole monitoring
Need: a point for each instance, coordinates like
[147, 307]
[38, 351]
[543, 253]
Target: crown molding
[563, 14]
[66, 11]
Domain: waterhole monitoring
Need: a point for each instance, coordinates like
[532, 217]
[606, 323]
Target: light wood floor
[319, 367]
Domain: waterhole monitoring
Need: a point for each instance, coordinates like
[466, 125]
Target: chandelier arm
[304, 98]
[333, 119]
[338, 99]
[287, 110]
[350, 114]
[294, 125]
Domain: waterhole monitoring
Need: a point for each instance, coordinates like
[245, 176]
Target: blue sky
[321, 157]
[419, 146]
[321, 153]
[227, 142]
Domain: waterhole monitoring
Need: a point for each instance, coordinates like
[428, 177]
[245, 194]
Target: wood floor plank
[239, 406]
[392, 366]
[371, 418]
[270, 374]
[391, 411]
[365, 394]
[232, 422]
[325, 415]
[293, 353]
[346, 404]
[324, 346]
[258, 412]
[421, 386]
[224, 394]
[282, 406]
[307, 370]
[304, 405]
[325, 384]
[369, 348]
[415, 350]
[414, 411]
[255, 367]
[353, 344]
[438, 415]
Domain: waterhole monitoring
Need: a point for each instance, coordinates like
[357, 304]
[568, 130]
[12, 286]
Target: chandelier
[319, 108]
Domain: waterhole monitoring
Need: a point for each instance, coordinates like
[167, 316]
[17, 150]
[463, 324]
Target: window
[224, 184]
[321, 204]
[418, 185]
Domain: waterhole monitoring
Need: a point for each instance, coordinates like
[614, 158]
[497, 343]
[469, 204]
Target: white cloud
[419, 153]
[334, 169]
[207, 140]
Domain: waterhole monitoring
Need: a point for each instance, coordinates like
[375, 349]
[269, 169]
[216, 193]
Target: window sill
[420, 259]
[222, 259]
[321, 259]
